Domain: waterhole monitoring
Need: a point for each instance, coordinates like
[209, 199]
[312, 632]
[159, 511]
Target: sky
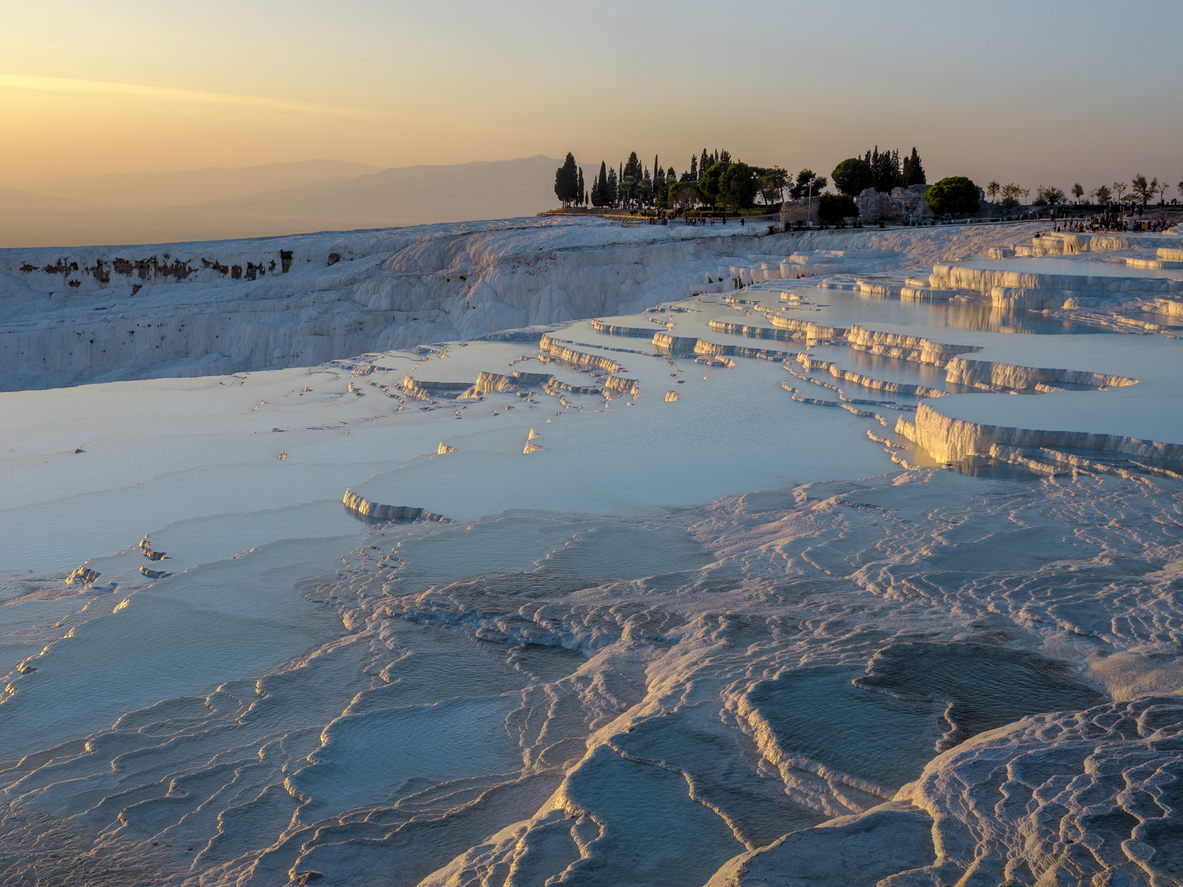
[1035, 92]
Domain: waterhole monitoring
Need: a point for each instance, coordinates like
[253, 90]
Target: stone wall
[900, 205]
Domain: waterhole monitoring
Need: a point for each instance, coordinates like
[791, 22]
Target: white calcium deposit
[775, 579]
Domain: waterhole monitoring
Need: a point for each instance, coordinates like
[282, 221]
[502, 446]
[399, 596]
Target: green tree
[682, 195]
[567, 180]
[709, 182]
[992, 190]
[913, 171]
[1078, 191]
[599, 194]
[581, 190]
[691, 175]
[954, 194]
[885, 167]
[853, 176]
[612, 189]
[1103, 195]
[807, 184]
[1049, 194]
[1119, 189]
[738, 185]
[773, 183]
[833, 208]
[1144, 190]
[629, 182]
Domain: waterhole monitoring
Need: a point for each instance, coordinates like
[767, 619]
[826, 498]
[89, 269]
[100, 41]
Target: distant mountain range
[274, 199]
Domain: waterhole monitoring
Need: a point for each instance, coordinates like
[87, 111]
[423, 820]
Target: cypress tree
[630, 178]
[581, 190]
[611, 189]
[885, 167]
[913, 173]
[567, 180]
[600, 188]
[704, 163]
[692, 176]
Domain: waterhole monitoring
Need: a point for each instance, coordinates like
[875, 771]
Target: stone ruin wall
[898, 206]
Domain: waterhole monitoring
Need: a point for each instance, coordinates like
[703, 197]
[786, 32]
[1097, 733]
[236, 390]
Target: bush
[955, 194]
[835, 207]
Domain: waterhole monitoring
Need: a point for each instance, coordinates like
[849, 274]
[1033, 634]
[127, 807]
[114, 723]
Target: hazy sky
[1037, 91]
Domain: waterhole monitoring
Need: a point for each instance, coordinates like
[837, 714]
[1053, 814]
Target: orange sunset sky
[1053, 92]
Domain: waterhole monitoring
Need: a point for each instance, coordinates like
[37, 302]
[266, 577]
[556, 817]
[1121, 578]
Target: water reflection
[846, 309]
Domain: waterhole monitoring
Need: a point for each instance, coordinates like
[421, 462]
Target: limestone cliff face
[1001, 376]
[211, 308]
[375, 511]
[948, 439]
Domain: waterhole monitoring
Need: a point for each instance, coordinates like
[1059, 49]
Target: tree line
[714, 178]
[1139, 188]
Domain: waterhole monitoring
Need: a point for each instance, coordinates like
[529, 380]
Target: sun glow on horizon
[137, 90]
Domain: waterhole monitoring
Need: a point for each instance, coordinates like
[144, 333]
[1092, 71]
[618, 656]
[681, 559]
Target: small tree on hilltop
[955, 194]
[992, 190]
[853, 176]
[1144, 190]
[1078, 191]
[1049, 194]
[1010, 195]
[1102, 195]
[1119, 189]
[567, 181]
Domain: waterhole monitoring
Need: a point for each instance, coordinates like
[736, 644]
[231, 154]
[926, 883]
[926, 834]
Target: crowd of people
[1112, 221]
[661, 217]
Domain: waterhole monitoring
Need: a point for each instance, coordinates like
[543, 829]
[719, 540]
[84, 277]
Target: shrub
[835, 207]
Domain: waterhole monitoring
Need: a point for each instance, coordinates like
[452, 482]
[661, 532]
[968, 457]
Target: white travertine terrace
[711, 634]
